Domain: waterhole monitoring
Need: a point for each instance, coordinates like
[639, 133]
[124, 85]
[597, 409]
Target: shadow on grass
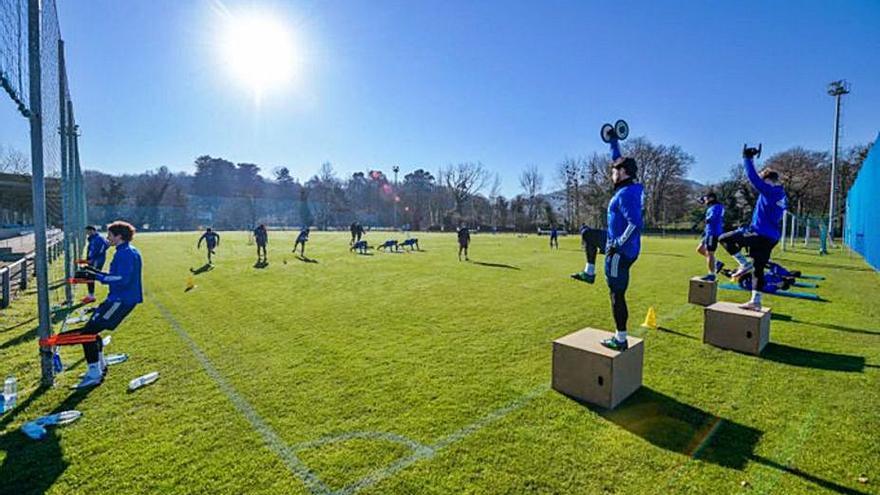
[805, 358]
[678, 427]
[829, 326]
[674, 332]
[202, 269]
[259, 265]
[684, 429]
[19, 324]
[33, 466]
[20, 339]
[827, 265]
[669, 255]
[495, 265]
[306, 259]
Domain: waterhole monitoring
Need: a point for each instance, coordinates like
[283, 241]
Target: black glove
[85, 274]
[750, 153]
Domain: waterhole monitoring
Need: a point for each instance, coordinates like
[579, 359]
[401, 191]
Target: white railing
[15, 276]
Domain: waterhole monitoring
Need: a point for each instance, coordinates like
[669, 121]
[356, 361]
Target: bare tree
[13, 161]
[531, 182]
[494, 193]
[464, 181]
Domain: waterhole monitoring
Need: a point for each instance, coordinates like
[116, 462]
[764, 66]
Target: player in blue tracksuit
[301, 240]
[764, 231]
[96, 255]
[261, 238]
[464, 241]
[714, 229]
[124, 281]
[212, 240]
[554, 237]
[624, 239]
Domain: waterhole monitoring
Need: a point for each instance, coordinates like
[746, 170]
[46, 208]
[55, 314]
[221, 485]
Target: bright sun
[259, 52]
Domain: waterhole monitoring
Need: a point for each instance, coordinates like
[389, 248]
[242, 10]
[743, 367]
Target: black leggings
[759, 248]
[619, 309]
[91, 349]
[594, 243]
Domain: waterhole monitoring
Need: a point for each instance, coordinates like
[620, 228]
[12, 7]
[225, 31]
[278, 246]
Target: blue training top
[715, 220]
[625, 218]
[97, 252]
[124, 278]
[770, 207]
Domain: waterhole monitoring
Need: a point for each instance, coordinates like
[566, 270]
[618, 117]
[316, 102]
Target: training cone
[190, 282]
[650, 319]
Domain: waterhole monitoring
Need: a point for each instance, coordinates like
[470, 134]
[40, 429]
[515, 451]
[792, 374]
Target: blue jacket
[97, 251]
[715, 220]
[771, 205]
[124, 278]
[625, 219]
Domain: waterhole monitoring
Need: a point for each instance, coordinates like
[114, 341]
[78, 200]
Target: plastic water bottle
[116, 359]
[10, 392]
[56, 362]
[62, 418]
[106, 340]
[142, 381]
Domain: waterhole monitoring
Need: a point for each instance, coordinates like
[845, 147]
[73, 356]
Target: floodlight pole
[835, 89]
[38, 185]
[395, 169]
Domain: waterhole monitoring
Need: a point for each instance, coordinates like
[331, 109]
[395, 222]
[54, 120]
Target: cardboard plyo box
[727, 326]
[585, 369]
[702, 292]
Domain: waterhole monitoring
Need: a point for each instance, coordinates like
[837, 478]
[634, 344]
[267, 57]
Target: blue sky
[428, 83]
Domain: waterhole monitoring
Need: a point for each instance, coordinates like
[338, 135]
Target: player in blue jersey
[714, 229]
[624, 239]
[554, 237]
[212, 241]
[763, 233]
[124, 281]
[301, 241]
[96, 256]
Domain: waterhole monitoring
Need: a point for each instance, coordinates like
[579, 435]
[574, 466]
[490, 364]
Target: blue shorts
[109, 315]
[617, 271]
[710, 241]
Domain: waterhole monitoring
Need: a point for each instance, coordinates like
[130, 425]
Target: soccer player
[212, 240]
[464, 240]
[301, 240]
[354, 231]
[593, 241]
[96, 255]
[412, 242]
[714, 228]
[360, 246]
[554, 237]
[764, 231]
[261, 237]
[391, 243]
[624, 239]
[124, 280]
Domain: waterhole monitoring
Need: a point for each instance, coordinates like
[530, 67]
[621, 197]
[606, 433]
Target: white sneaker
[742, 271]
[92, 378]
[751, 306]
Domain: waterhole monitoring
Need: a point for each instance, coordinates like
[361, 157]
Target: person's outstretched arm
[756, 180]
[615, 149]
[199, 245]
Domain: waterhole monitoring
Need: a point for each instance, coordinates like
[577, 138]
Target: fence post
[5, 288]
[38, 186]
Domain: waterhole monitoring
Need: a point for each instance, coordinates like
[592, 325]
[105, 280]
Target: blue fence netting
[862, 230]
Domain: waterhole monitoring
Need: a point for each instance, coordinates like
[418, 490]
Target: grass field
[415, 373]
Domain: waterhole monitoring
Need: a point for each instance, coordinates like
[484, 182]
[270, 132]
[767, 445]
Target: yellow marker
[650, 319]
[190, 282]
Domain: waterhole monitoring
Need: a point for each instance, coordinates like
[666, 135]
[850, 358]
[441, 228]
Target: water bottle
[56, 362]
[116, 359]
[106, 340]
[10, 392]
[62, 418]
[142, 381]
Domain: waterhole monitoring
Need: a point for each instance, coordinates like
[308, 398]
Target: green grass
[414, 373]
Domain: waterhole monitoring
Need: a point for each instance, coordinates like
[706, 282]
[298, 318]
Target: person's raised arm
[615, 149]
[749, 166]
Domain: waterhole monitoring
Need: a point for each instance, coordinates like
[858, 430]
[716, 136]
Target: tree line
[227, 195]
